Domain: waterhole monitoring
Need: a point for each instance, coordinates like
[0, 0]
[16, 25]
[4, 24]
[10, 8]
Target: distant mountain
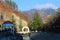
[44, 12]
[58, 10]
[48, 10]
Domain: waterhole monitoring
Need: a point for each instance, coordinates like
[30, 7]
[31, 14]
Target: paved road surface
[44, 36]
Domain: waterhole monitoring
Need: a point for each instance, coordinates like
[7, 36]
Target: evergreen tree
[54, 25]
[13, 20]
[20, 25]
[36, 23]
[11, 3]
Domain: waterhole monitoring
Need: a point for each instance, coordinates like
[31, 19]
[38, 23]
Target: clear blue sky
[25, 5]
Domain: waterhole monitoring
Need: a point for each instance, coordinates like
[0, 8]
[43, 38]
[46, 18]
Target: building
[9, 14]
[8, 26]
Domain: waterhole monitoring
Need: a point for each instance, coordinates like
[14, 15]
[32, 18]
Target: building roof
[7, 22]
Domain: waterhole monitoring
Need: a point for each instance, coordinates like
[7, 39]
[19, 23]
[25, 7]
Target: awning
[4, 25]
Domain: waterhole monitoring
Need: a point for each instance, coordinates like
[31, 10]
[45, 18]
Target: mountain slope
[43, 12]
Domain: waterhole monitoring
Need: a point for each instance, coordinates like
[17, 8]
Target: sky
[24, 5]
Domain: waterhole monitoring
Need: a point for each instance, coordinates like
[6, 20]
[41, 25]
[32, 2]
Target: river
[44, 36]
[36, 36]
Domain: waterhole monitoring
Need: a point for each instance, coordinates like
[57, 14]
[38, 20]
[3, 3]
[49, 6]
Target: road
[44, 36]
